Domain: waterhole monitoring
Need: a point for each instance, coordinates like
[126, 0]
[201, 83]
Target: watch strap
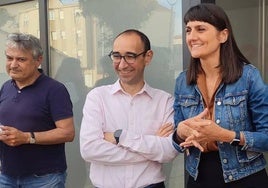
[236, 140]
[117, 135]
[32, 135]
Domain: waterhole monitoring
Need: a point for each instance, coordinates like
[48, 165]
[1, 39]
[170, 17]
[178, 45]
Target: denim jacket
[241, 106]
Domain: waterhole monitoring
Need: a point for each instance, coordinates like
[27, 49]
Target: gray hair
[26, 42]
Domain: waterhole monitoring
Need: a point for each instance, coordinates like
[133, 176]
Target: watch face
[117, 133]
[32, 140]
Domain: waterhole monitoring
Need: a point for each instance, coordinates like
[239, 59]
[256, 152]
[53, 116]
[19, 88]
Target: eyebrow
[128, 53]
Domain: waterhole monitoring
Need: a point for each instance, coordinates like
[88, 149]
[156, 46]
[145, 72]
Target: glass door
[249, 22]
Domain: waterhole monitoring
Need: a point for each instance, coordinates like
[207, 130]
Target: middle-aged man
[36, 117]
[126, 127]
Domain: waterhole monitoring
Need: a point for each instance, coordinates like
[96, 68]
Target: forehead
[198, 24]
[16, 52]
[129, 42]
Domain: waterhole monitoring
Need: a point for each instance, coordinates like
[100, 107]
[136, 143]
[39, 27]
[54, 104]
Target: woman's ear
[224, 35]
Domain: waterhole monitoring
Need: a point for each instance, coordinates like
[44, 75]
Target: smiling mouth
[196, 45]
[124, 71]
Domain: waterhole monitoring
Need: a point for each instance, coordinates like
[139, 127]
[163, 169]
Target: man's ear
[148, 57]
[39, 60]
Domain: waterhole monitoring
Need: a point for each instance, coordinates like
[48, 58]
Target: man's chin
[14, 76]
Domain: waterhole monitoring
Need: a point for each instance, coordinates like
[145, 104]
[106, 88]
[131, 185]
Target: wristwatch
[117, 135]
[236, 140]
[32, 138]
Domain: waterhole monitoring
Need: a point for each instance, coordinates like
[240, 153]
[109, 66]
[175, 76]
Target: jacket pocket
[188, 105]
[236, 110]
[247, 156]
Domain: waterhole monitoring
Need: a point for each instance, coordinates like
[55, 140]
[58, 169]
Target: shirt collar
[147, 90]
[37, 80]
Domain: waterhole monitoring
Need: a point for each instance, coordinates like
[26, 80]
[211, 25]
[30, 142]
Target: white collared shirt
[136, 160]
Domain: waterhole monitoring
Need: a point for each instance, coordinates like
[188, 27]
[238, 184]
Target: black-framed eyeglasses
[130, 58]
[18, 37]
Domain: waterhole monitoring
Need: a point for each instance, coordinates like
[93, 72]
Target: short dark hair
[145, 40]
[231, 58]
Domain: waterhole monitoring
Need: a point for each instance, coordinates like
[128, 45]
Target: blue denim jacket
[241, 106]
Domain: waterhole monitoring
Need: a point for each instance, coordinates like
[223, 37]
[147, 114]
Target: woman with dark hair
[221, 107]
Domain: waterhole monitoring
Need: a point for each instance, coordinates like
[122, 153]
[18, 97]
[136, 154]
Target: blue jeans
[54, 180]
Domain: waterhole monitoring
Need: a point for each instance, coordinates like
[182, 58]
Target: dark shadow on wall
[71, 75]
[159, 74]
[107, 71]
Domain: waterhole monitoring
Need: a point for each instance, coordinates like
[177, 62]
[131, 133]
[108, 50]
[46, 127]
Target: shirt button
[219, 103]
[224, 160]
[218, 121]
[19, 91]
[230, 177]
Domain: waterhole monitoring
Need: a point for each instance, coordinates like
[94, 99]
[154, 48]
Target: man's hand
[13, 137]
[109, 136]
[165, 130]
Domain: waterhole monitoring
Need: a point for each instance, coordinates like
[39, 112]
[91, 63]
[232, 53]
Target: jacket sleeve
[257, 107]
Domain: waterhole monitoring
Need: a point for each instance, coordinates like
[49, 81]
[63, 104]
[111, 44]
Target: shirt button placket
[131, 116]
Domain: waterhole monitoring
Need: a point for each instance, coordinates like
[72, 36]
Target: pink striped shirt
[137, 160]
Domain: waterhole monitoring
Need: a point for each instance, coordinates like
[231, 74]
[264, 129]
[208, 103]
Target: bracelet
[176, 138]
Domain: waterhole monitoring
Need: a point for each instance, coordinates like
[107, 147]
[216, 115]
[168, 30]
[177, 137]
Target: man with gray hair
[37, 119]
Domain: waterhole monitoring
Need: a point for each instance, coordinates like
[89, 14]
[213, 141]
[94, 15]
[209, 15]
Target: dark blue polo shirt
[34, 108]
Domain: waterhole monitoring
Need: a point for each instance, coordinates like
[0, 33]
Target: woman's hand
[197, 131]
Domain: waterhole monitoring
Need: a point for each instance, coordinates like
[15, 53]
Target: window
[54, 35]
[63, 35]
[61, 15]
[51, 15]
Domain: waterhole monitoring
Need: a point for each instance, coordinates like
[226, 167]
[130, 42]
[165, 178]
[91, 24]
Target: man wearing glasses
[126, 128]
[36, 117]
